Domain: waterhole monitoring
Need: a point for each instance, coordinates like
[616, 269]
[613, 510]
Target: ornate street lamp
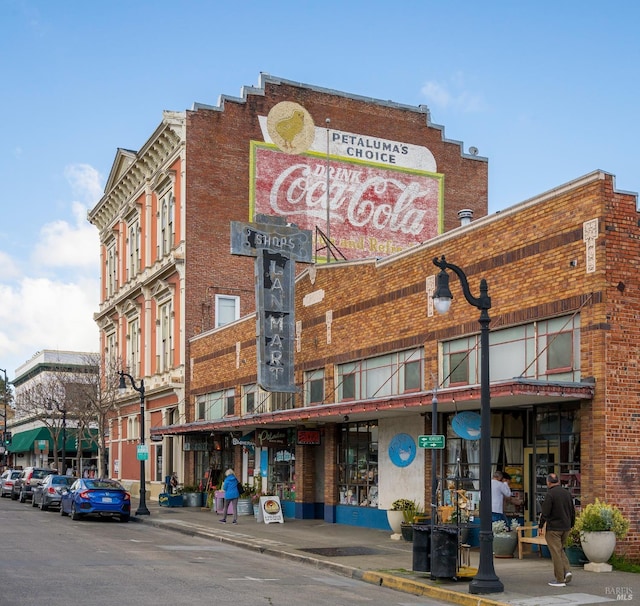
[142, 508]
[486, 581]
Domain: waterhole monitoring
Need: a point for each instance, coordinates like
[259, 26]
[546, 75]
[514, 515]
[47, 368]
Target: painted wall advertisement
[384, 196]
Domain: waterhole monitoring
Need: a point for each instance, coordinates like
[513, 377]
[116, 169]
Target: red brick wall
[217, 183]
[527, 256]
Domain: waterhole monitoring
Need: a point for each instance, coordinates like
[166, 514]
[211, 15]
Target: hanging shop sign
[272, 438]
[307, 437]
[195, 443]
[276, 246]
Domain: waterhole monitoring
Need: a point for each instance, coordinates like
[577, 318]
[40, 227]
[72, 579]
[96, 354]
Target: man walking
[559, 515]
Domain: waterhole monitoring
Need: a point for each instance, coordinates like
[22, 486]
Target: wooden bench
[540, 539]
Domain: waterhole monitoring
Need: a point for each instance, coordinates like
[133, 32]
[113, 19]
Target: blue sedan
[96, 496]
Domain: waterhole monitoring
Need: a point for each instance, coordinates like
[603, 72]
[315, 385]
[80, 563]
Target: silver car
[7, 480]
[48, 493]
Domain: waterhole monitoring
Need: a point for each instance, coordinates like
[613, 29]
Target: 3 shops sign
[276, 246]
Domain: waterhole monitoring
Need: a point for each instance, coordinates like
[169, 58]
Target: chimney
[465, 215]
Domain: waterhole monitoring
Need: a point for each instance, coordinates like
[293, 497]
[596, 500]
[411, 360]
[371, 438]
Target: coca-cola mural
[384, 196]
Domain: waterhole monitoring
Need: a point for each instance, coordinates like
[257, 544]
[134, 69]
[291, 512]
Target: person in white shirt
[499, 492]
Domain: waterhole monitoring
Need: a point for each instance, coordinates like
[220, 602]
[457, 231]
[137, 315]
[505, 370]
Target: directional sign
[431, 441]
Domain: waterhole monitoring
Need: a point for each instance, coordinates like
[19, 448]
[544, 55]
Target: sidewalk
[372, 556]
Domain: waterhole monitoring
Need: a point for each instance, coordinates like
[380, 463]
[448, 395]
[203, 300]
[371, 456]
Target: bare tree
[45, 401]
[99, 397]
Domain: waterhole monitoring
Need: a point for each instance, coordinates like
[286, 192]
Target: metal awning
[512, 393]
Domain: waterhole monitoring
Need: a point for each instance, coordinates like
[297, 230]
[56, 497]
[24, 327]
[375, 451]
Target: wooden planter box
[170, 500]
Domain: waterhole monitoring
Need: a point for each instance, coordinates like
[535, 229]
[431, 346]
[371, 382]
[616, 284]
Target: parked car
[96, 496]
[49, 493]
[28, 478]
[7, 479]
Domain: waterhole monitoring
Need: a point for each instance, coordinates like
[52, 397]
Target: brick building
[562, 273]
[393, 181]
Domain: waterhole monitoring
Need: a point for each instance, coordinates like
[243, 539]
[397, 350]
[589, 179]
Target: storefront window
[462, 465]
[281, 461]
[358, 464]
[555, 447]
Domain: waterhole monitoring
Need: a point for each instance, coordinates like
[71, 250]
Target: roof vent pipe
[465, 215]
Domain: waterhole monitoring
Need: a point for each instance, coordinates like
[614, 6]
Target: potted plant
[396, 515]
[192, 495]
[573, 548]
[599, 524]
[411, 514]
[245, 504]
[505, 540]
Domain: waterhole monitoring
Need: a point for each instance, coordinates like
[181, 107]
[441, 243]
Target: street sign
[143, 452]
[431, 441]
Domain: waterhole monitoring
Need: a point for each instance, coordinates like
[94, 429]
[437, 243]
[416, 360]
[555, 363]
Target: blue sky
[547, 90]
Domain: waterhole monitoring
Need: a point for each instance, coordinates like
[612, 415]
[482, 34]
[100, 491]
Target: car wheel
[74, 514]
[14, 496]
[43, 506]
[33, 502]
[124, 518]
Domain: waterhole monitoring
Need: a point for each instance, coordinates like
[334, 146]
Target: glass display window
[358, 464]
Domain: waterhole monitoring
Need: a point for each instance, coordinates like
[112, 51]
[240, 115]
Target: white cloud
[63, 244]
[66, 245]
[8, 268]
[50, 305]
[453, 95]
[85, 182]
[41, 314]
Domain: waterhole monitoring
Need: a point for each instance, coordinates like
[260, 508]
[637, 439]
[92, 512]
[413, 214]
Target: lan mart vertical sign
[276, 246]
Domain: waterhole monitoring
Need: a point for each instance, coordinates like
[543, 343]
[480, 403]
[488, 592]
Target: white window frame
[133, 248]
[223, 302]
[111, 269]
[166, 232]
[312, 377]
[133, 346]
[165, 335]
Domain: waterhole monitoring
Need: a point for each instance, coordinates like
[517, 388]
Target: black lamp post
[63, 411]
[4, 433]
[142, 507]
[486, 581]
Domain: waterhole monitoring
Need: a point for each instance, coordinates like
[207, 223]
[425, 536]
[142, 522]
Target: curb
[422, 589]
[368, 576]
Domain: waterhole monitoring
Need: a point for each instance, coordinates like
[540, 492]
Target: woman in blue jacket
[232, 491]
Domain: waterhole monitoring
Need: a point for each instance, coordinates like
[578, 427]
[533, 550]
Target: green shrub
[600, 516]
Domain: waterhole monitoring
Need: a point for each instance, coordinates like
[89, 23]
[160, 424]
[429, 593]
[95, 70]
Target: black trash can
[421, 547]
[445, 552]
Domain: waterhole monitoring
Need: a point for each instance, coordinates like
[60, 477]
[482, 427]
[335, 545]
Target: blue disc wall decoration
[402, 449]
[467, 425]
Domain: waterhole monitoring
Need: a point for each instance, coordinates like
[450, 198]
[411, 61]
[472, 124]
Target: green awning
[24, 441]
